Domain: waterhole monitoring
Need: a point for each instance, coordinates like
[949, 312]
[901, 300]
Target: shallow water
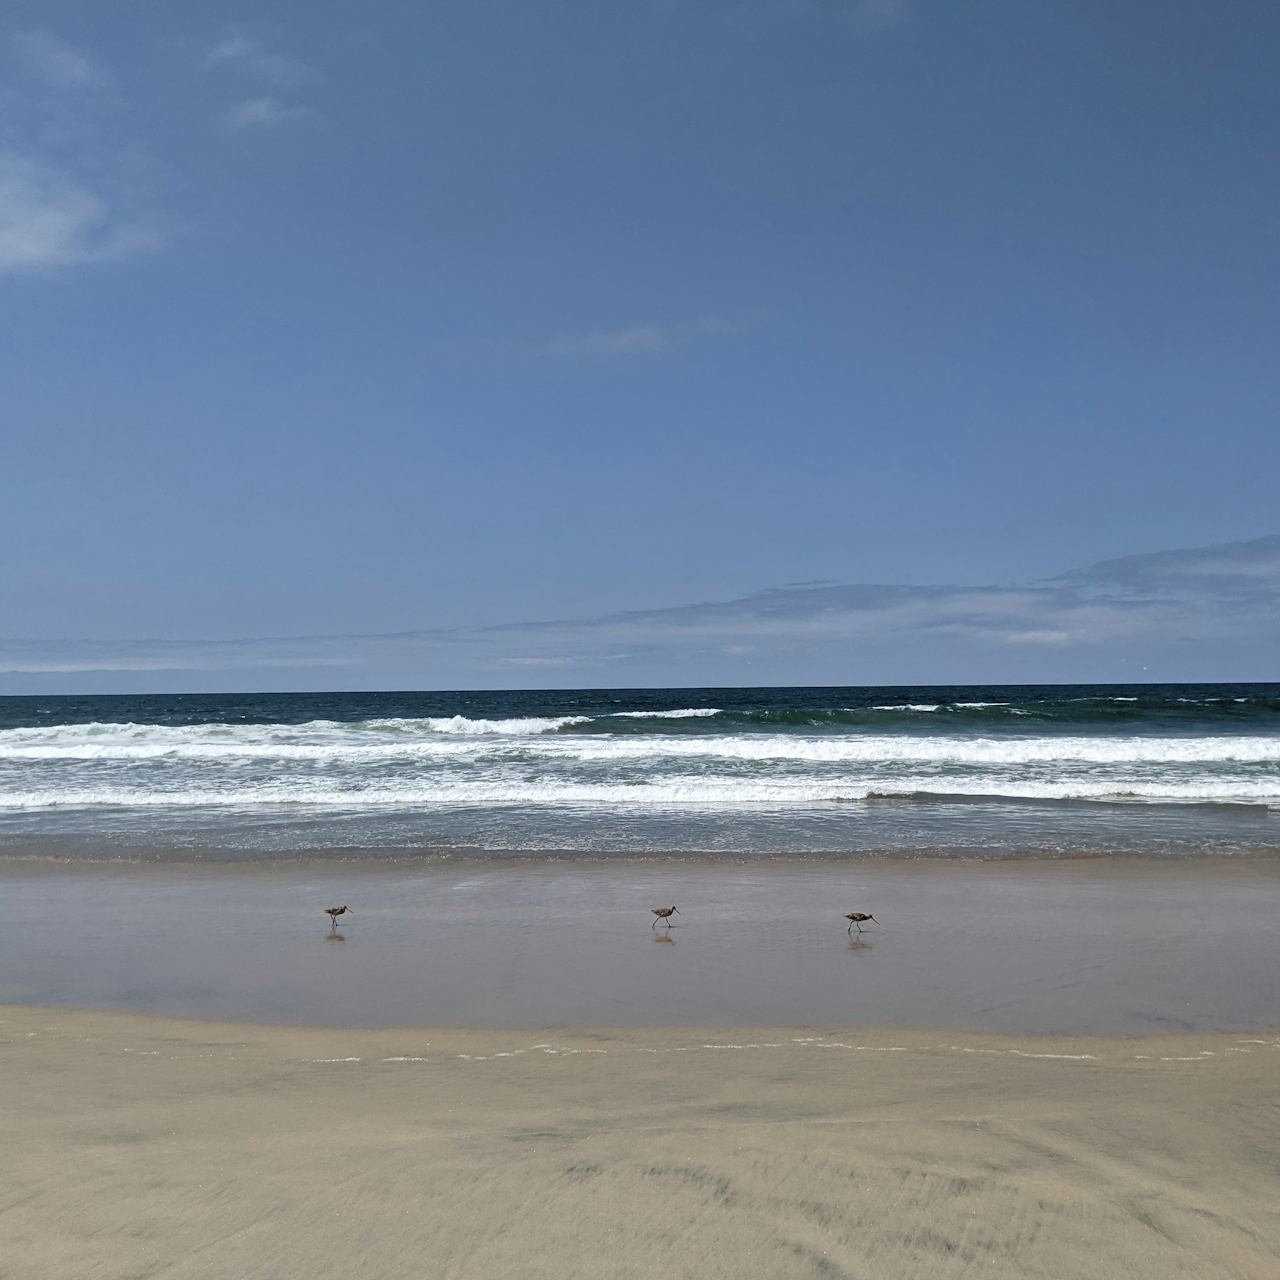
[1025, 946]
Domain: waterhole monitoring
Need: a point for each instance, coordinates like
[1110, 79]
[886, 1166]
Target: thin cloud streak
[265, 111]
[649, 339]
[605, 348]
[248, 56]
[1197, 608]
[248, 60]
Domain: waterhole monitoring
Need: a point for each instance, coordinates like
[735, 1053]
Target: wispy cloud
[602, 347]
[71, 190]
[1205, 614]
[248, 60]
[250, 57]
[48, 219]
[647, 339]
[265, 111]
[59, 65]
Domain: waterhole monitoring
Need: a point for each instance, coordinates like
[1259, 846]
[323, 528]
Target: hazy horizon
[1207, 614]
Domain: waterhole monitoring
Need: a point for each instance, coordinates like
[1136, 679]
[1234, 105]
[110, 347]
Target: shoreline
[139, 1144]
[90, 854]
[499, 1042]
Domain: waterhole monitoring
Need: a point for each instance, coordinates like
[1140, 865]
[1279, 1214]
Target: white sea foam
[688, 713]
[664, 793]
[458, 761]
[531, 725]
[312, 740]
[369, 742]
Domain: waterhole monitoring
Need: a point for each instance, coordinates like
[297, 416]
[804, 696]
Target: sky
[1211, 613]
[338, 319]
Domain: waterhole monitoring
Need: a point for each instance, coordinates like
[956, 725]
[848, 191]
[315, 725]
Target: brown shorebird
[857, 917]
[664, 914]
[334, 912]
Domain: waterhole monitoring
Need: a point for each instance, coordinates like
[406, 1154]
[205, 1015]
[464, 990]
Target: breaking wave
[715, 756]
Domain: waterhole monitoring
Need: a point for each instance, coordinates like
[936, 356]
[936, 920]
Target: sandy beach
[147, 1146]
[500, 1069]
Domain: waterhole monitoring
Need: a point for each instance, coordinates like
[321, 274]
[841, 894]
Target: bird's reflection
[334, 936]
[665, 938]
[859, 944]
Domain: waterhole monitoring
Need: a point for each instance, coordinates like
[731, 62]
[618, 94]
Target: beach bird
[334, 912]
[857, 917]
[664, 914]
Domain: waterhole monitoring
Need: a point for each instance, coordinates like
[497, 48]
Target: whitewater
[1044, 769]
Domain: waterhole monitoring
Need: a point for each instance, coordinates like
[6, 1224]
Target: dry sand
[139, 1146]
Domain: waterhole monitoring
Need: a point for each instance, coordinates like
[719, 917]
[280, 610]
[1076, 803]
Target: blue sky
[325, 319]
[1211, 613]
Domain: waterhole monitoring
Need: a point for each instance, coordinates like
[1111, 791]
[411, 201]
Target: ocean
[917, 771]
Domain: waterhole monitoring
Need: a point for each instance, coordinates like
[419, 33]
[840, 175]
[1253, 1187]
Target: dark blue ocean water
[921, 770]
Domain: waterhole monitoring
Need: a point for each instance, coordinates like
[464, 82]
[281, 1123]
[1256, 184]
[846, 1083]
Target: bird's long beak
[673, 909]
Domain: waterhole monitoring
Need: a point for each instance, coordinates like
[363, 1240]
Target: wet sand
[145, 1146]
[1095, 945]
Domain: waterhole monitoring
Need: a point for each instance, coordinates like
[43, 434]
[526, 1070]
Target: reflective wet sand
[1097, 945]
